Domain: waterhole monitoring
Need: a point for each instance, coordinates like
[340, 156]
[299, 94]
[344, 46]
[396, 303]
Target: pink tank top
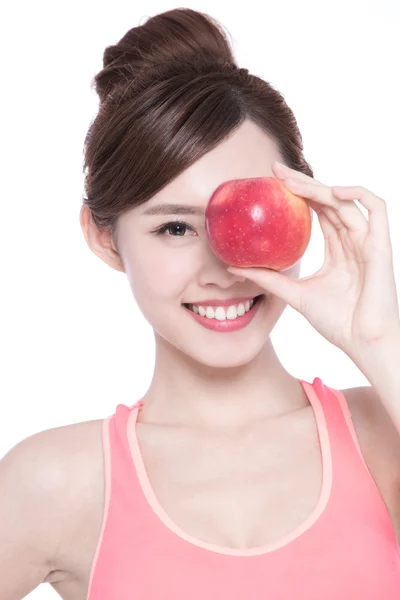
[346, 548]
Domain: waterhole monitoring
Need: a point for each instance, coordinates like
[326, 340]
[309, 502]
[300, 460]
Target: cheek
[164, 273]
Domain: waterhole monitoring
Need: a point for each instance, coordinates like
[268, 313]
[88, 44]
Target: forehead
[248, 152]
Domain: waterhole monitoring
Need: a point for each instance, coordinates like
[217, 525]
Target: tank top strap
[351, 477]
[337, 411]
[119, 424]
[335, 418]
[116, 442]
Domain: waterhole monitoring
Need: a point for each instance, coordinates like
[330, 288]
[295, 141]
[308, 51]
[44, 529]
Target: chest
[236, 490]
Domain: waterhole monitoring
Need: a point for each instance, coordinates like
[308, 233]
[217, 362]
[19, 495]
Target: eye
[179, 226]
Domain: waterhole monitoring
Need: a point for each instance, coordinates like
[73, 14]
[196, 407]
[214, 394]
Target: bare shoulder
[80, 451]
[68, 456]
[71, 478]
[58, 460]
[378, 437]
[80, 456]
[71, 442]
[50, 478]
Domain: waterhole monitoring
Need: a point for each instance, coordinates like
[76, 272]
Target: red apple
[258, 222]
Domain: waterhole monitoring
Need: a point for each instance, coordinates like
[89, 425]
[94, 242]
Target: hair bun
[167, 43]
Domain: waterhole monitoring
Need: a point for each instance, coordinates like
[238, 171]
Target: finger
[377, 209]
[285, 287]
[347, 214]
[282, 171]
[334, 251]
[333, 217]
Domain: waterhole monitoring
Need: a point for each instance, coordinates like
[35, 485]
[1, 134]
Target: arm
[380, 363]
[31, 485]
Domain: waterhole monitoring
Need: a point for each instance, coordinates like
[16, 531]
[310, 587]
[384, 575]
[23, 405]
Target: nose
[214, 271]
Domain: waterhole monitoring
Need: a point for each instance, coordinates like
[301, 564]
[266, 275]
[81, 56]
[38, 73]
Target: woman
[230, 477]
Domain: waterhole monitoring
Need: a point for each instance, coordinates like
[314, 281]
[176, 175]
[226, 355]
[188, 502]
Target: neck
[186, 392]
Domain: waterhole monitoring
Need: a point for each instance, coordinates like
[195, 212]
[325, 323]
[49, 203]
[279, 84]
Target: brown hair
[170, 91]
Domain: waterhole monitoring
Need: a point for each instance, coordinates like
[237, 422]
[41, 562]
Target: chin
[226, 350]
[234, 360]
[223, 356]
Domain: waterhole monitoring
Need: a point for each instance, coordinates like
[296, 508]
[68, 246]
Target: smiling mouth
[255, 300]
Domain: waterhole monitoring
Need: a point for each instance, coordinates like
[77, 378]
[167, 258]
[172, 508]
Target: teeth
[220, 313]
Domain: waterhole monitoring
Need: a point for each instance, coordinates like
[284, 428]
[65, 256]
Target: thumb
[284, 286]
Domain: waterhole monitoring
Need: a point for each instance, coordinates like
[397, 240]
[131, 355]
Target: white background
[73, 342]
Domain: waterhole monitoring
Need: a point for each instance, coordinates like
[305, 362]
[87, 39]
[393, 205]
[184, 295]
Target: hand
[352, 300]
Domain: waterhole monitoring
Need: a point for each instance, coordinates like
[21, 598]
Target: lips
[229, 325]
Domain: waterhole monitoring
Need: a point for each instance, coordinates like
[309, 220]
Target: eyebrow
[175, 209]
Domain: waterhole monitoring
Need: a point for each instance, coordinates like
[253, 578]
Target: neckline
[317, 512]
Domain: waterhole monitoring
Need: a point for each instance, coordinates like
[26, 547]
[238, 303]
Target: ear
[100, 242]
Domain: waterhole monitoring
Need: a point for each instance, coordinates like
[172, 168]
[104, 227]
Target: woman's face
[166, 270]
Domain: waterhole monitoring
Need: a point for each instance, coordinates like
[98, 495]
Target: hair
[170, 91]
